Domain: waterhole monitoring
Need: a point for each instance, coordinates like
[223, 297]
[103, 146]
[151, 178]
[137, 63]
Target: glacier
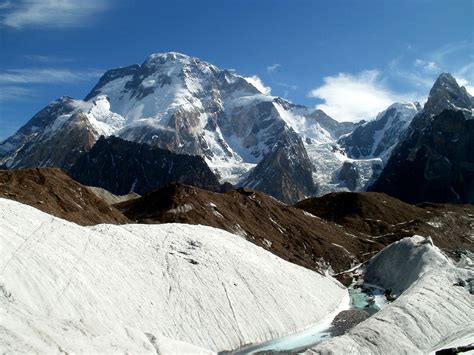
[434, 308]
[143, 288]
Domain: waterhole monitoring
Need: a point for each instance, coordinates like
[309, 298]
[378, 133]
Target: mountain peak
[157, 60]
[445, 81]
[402, 107]
[445, 77]
[447, 94]
[168, 56]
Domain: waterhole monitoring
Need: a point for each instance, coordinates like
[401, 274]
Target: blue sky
[350, 58]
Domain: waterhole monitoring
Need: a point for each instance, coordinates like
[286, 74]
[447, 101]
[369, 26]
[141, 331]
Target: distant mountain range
[245, 137]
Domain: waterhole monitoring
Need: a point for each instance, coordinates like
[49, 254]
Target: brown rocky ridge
[52, 191]
[387, 219]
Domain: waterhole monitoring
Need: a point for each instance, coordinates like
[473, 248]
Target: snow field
[138, 288]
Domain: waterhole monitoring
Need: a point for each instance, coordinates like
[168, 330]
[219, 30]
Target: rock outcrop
[122, 167]
[434, 160]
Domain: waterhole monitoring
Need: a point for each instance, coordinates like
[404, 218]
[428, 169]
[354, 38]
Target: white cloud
[52, 13]
[349, 97]
[258, 83]
[273, 67]
[46, 76]
[464, 82]
[465, 77]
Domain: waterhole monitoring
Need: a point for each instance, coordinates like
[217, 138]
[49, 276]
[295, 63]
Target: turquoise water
[368, 298]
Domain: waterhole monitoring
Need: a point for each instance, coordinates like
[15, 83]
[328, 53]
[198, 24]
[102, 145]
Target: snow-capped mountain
[434, 160]
[187, 105]
[378, 137]
[55, 136]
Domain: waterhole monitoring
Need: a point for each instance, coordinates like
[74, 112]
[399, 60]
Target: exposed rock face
[447, 94]
[350, 175]
[39, 122]
[435, 159]
[110, 198]
[121, 167]
[336, 128]
[53, 192]
[285, 172]
[110, 76]
[433, 164]
[56, 136]
[377, 138]
[346, 320]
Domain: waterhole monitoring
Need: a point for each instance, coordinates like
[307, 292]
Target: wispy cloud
[455, 58]
[47, 59]
[427, 66]
[352, 97]
[411, 73]
[15, 93]
[46, 76]
[444, 53]
[286, 86]
[51, 13]
[19, 84]
[271, 70]
[258, 83]
[5, 5]
[273, 67]
[463, 82]
[465, 77]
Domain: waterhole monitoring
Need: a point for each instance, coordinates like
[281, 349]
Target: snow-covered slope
[434, 310]
[330, 163]
[145, 288]
[376, 139]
